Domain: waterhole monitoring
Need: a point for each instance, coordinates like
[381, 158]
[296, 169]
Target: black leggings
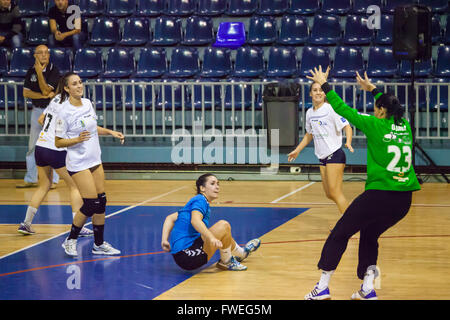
[371, 213]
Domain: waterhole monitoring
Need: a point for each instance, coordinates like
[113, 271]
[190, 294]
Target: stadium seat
[216, 63]
[14, 94]
[105, 32]
[273, 7]
[184, 62]
[39, 31]
[121, 8]
[440, 101]
[88, 63]
[198, 31]
[293, 30]
[282, 62]
[172, 95]
[21, 60]
[262, 30]
[326, 30]
[384, 34]
[381, 62]
[92, 8]
[436, 32]
[62, 59]
[249, 62]
[344, 88]
[110, 97]
[197, 96]
[136, 32]
[356, 31]
[211, 7]
[447, 32]
[360, 6]
[421, 69]
[235, 93]
[142, 95]
[347, 61]
[304, 7]
[119, 63]
[242, 7]
[150, 8]
[32, 8]
[230, 35]
[443, 62]
[440, 6]
[313, 57]
[339, 7]
[389, 5]
[3, 61]
[181, 8]
[167, 31]
[152, 63]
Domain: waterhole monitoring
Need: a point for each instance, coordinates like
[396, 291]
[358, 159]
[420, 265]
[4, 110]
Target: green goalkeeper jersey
[389, 147]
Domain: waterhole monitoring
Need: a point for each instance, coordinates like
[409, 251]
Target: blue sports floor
[143, 270]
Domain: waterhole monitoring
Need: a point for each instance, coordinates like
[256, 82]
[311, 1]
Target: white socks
[31, 212]
[325, 279]
[368, 281]
[238, 251]
[225, 254]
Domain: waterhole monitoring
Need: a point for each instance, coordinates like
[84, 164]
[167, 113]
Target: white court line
[109, 215]
[295, 191]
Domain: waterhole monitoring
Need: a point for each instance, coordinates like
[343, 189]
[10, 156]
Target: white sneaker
[105, 248]
[85, 232]
[70, 247]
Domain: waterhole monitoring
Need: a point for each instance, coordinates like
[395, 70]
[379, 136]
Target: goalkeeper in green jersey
[388, 191]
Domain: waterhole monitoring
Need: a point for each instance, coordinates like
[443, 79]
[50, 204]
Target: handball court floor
[292, 219]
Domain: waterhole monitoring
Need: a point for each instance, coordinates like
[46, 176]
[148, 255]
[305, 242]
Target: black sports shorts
[336, 157]
[193, 257]
[48, 157]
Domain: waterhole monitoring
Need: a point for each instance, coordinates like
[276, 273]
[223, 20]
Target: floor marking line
[292, 192]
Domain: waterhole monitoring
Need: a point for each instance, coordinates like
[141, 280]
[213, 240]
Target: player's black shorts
[336, 157]
[193, 257]
[48, 157]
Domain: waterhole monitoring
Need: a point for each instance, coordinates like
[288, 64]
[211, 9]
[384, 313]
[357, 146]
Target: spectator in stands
[40, 86]
[10, 24]
[65, 32]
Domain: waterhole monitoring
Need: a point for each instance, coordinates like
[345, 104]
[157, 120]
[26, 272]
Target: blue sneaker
[232, 265]
[250, 247]
[362, 295]
[25, 229]
[317, 294]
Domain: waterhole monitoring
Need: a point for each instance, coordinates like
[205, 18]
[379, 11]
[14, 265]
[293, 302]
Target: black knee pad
[102, 199]
[90, 207]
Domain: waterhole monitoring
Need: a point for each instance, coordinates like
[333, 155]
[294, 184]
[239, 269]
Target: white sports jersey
[326, 127]
[47, 136]
[71, 121]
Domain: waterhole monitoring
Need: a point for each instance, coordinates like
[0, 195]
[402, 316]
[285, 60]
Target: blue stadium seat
[381, 62]
[345, 91]
[443, 62]
[216, 63]
[21, 60]
[211, 7]
[339, 7]
[172, 95]
[249, 62]
[209, 102]
[3, 61]
[143, 95]
[119, 63]
[313, 57]
[304, 7]
[360, 6]
[436, 32]
[88, 62]
[184, 62]
[181, 8]
[440, 6]
[421, 69]
[447, 32]
[152, 63]
[230, 35]
[39, 31]
[262, 30]
[326, 30]
[61, 57]
[105, 32]
[293, 30]
[112, 97]
[121, 8]
[136, 32]
[356, 31]
[273, 7]
[242, 7]
[92, 8]
[12, 91]
[282, 62]
[198, 31]
[167, 31]
[389, 5]
[150, 8]
[347, 61]
[239, 91]
[384, 34]
[440, 102]
[32, 8]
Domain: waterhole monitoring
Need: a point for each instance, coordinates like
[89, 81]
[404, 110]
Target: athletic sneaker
[250, 247]
[25, 229]
[105, 248]
[232, 265]
[70, 247]
[85, 232]
[362, 295]
[317, 294]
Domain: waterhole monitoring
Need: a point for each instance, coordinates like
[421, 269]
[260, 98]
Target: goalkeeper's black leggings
[371, 213]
